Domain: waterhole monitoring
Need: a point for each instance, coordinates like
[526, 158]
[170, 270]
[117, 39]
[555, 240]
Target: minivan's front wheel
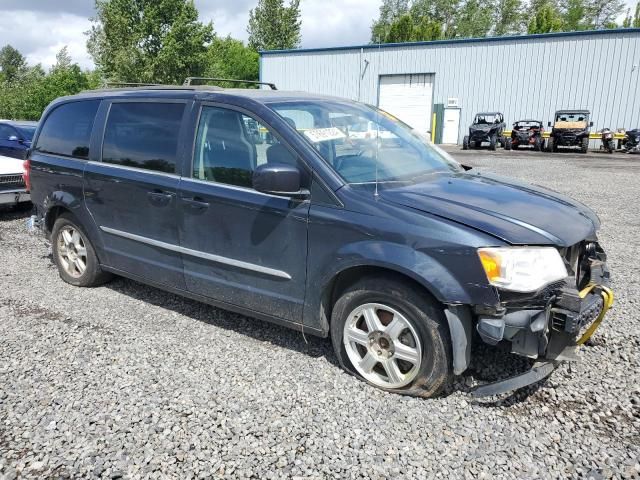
[390, 335]
[74, 255]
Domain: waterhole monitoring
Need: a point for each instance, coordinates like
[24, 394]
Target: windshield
[486, 118]
[571, 117]
[26, 131]
[388, 151]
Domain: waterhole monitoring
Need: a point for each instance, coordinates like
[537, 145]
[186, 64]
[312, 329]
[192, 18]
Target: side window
[67, 129]
[143, 135]
[229, 146]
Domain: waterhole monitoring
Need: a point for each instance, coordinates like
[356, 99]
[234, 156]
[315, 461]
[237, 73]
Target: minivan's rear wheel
[74, 255]
[388, 333]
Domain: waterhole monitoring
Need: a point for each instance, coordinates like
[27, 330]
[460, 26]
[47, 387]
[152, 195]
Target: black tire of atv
[537, 144]
[584, 146]
[550, 145]
[426, 316]
[93, 275]
[465, 142]
[507, 144]
[492, 143]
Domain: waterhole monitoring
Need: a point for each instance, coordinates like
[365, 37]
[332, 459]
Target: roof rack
[130, 84]
[189, 81]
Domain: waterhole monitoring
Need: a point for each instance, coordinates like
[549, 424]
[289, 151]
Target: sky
[40, 28]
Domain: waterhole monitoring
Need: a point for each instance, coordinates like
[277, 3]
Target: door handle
[195, 202]
[159, 198]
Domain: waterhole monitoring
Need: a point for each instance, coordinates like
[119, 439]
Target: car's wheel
[465, 142]
[392, 336]
[74, 255]
[584, 146]
[537, 144]
[492, 142]
[507, 144]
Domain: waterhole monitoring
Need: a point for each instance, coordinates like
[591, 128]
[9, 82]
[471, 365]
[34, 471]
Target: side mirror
[279, 179]
[591, 124]
[13, 138]
[548, 124]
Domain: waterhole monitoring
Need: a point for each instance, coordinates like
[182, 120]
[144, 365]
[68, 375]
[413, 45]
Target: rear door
[240, 246]
[131, 187]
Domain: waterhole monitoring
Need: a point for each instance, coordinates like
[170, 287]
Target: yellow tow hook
[607, 296]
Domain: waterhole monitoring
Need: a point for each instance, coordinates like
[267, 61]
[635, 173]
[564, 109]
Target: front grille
[8, 182]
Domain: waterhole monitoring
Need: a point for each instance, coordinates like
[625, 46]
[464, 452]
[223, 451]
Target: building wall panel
[524, 77]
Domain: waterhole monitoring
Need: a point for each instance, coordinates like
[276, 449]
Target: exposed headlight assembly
[522, 269]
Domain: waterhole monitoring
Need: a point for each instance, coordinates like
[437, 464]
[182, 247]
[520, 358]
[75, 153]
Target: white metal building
[527, 76]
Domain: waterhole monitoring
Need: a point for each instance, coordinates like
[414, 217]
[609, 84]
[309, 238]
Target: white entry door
[451, 125]
[408, 97]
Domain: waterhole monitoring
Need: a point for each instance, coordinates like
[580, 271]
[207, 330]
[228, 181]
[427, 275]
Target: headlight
[522, 269]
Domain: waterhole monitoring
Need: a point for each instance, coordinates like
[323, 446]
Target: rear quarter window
[67, 129]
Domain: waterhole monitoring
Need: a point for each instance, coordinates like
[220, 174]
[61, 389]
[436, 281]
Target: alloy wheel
[383, 345]
[72, 252]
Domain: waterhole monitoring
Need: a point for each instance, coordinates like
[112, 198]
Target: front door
[240, 246]
[132, 192]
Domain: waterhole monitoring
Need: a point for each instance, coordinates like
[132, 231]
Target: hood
[482, 127]
[514, 212]
[10, 166]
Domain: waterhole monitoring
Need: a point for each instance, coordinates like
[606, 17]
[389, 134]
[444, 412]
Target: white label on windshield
[317, 135]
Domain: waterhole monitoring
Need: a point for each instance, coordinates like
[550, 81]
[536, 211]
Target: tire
[584, 145]
[74, 249]
[465, 142]
[400, 316]
[507, 144]
[550, 145]
[492, 142]
[537, 144]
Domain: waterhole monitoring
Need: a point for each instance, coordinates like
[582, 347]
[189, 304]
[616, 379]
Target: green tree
[546, 18]
[636, 17]
[390, 11]
[508, 17]
[428, 29]
[401, 30]
[603, 13]
[575, 15]
[474, 19]
[12, 63]
[442, 12]
[272, 26]
[155, 41]
[230, 58]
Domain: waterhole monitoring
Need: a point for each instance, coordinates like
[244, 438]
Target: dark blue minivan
[273, 204]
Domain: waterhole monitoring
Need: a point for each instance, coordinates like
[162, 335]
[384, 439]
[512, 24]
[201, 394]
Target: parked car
[526, 133]
[398, 254]
[486, 127]
[570, 129]
[15, 138]
[12, 185]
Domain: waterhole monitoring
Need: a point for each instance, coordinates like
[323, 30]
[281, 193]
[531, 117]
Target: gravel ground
[128, 381]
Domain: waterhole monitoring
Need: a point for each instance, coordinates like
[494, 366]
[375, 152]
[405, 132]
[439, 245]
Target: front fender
[421, 267]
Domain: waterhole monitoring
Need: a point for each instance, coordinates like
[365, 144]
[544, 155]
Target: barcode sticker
[317, 135]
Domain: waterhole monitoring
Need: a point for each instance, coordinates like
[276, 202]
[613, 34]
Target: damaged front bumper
[549, 325]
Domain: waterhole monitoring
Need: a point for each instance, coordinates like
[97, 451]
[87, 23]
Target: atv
[570, 129]
[526, 133]
[631, 143]
[486, 127]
